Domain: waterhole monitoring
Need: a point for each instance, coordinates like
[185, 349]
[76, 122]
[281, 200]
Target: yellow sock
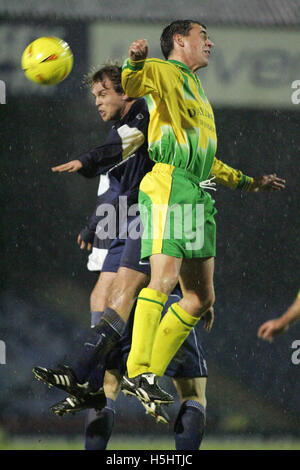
[171, 333]
[147, 316]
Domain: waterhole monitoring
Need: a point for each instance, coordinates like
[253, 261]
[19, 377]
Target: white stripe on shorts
[96, 259]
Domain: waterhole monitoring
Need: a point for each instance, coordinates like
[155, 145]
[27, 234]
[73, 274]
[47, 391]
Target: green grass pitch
[125, 443]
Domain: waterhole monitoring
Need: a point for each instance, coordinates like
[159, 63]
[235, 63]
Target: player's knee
[200, 304]
[165, 284]
[198, 398]
[97, 300]
[121, 294]
[206, 303]
[193, 389]
[209, 301]
[111, 384]
[126, 288]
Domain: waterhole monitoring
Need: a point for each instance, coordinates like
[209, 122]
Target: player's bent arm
[150, 76]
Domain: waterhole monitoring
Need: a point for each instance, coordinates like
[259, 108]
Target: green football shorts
[177, 215]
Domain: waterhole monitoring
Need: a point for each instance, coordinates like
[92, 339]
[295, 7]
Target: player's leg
[161, 191]
[100, 424]
[188, 362]
[154, 199]
[131, 277]
[107, 325]
[190, 422]
[111, 327]
[100, 292]
[116, 364]
[151, 301]
[99, 298]
[124, 291]
[196, 281]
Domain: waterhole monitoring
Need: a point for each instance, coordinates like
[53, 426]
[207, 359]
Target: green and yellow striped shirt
[182, 129]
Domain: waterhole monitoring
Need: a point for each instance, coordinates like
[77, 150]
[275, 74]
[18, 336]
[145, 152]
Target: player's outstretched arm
[271, 328]
[70, 167]
[267, 183]
[232, 178]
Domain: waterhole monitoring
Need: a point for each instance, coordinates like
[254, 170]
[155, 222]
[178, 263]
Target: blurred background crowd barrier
[45, 286]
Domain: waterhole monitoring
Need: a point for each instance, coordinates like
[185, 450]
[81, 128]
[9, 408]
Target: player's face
[198, 46]
[110, 104]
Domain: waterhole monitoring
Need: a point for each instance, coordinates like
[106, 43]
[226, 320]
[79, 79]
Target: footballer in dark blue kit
[121, 163]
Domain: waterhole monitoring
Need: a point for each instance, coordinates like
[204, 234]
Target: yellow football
[47, 60]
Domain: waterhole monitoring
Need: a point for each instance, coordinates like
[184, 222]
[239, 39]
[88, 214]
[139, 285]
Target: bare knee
[97, 302]
[197, 305]
[125, 290]
[164, 273]
[111, 385]
[191, 389]
[205, 304]
[165, 284]
[99, 294]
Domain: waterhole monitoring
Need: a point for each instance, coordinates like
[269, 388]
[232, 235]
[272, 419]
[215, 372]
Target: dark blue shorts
[125, 253]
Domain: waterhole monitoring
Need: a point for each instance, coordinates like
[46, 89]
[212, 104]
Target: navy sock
[95, 318]
[189, 426]
[108, 332]
[97, 375]
[99, 427]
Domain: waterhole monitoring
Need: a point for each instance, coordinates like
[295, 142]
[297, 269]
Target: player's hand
[82, 244]
[270, 329]
[139, 50]
[70, 167]
[267, 183]
[208, 318]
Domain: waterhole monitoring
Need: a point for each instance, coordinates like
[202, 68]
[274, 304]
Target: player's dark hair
[112, 71]
[176, 27]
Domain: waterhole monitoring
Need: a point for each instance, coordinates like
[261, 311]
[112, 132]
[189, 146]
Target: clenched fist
[139, 50]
